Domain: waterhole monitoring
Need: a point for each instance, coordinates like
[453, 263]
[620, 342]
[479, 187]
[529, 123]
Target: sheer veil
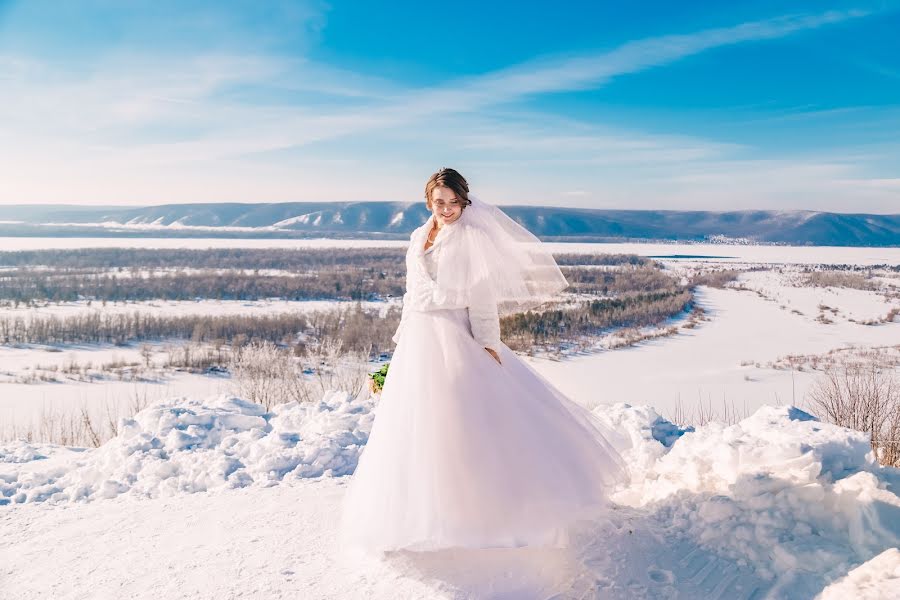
[490, 257]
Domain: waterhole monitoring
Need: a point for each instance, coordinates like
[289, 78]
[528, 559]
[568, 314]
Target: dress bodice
[483, 316]
[430, 257]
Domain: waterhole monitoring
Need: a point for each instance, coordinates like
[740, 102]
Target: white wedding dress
[466, 452]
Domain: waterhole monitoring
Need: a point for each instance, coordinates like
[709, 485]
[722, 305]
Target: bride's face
[445, 206]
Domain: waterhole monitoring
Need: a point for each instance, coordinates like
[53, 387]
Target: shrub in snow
[864, 396]
[266, 374]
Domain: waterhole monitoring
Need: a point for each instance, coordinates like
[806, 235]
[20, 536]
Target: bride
[470, 446]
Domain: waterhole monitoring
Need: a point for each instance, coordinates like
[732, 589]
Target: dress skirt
[466, 452]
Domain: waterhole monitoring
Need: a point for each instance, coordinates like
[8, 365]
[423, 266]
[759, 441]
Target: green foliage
[378, 377]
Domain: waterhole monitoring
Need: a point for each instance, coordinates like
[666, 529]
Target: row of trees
[628, 291]
[116, 275]
[354, 326]
[28, 286]
[299, 259]
[122, 259]
[618, 281]
[562, 326]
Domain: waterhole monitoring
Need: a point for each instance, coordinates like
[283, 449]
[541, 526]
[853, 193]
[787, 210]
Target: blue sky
[657, 105]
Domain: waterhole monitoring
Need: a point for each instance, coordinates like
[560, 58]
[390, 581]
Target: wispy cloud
[129, 91]
[590, 71]
[220, 125]
[551, 75]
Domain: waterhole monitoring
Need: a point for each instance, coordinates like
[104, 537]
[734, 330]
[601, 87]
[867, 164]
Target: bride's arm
[486, 327]
[403, 312]
[485, 320]
[411, 284]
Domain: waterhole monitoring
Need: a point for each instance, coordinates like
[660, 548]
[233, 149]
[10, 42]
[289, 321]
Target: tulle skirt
[466, 452]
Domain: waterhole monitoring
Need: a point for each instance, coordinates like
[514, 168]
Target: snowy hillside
[395, 220]
[218, 498]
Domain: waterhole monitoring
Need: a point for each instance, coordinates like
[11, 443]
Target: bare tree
[268, 375]
[263, 374]
[864, 396]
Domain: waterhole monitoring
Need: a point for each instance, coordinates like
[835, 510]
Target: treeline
[130, 275]
[626, 291]
[854, 280]
[644, 278]
[355, 327]
[299, 259]
[612, 260]
[894, 267]
[368, 283]
[550, 328]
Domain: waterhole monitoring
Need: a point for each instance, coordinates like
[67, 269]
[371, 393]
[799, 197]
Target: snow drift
[184, 445]
[800, 503]
[800, 500]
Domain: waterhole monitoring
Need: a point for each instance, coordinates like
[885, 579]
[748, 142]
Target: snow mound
[185, 445]
[877, 579]
[781, 443]
[800, 500]
[640, 435]
[22, 452]
[780, 496]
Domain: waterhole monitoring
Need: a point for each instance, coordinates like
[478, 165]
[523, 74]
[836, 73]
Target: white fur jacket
[424, 294]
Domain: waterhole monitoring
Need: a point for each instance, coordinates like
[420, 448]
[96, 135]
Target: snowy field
[202, 495]
[735, 362]
[712, 252]
[736, 359]
[181, 308]
[87, 375]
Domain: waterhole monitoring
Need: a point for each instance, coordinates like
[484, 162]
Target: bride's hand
[494, 354]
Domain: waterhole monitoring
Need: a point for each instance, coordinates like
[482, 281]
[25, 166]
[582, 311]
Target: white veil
[491, 258]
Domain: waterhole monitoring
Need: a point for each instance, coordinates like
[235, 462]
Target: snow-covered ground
[734, 362]
[182, 308]
[218, 498]
[725, 362]
[38, 380]
[710, 252]
[203, 495]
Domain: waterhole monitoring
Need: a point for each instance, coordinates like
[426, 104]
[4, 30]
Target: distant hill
[395, 220]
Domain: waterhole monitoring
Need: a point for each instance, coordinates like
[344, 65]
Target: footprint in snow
[660, 576]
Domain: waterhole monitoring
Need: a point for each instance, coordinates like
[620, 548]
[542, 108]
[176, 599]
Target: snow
[778, 490]
[11, 244]
[185, 445]
[160, 226]
[197, 498]
[785, 289]
[22, 403]
[203, 494]
[303, 219]
[726, 363]
[182, 308]
[705, 253]
[877, 579]
[736, 361]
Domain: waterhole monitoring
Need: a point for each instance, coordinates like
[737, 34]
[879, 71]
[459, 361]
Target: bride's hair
[448, 178]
